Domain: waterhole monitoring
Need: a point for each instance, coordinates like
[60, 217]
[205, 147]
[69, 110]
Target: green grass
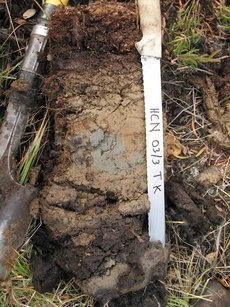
[187, 30]
[223, 14]
[33, 152]
[187, 277]
[7, 73]
[20, 292]
[187, 34]
[193, 58]
[175, 301]
[7, 69]
[190, 268]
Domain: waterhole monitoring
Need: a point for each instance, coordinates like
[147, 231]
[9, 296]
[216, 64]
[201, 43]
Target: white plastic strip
[154, 147]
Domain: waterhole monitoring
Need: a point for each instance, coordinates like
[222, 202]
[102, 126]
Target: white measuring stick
[150, 49]
[154, 147]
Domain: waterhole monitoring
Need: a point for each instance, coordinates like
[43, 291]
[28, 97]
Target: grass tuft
[33, 152]
[7, 72]
[193, 58]
[187, 277]
[222, 14]
[187, 36]
[20, 292]
[191, 268]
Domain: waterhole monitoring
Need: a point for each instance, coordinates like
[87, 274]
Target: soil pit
[94, 203]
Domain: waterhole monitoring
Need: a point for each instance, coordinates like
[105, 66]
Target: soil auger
[15, 198]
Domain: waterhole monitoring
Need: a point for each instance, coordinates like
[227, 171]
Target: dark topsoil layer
[94, 201]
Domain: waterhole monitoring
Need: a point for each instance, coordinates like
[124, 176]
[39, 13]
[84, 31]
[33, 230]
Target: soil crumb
[94, 204]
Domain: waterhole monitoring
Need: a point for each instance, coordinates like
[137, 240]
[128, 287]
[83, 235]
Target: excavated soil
[94, 202]
[94, 199]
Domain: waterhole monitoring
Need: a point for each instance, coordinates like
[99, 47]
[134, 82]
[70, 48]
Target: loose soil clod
[195, 212]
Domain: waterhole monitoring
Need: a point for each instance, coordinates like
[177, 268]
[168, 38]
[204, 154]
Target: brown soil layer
[94, 204]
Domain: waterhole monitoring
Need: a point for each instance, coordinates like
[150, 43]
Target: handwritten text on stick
[156, 148]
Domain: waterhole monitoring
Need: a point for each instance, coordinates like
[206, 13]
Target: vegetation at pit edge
[188, 35]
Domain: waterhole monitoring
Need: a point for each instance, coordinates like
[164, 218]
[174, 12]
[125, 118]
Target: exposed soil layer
[94, 203]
